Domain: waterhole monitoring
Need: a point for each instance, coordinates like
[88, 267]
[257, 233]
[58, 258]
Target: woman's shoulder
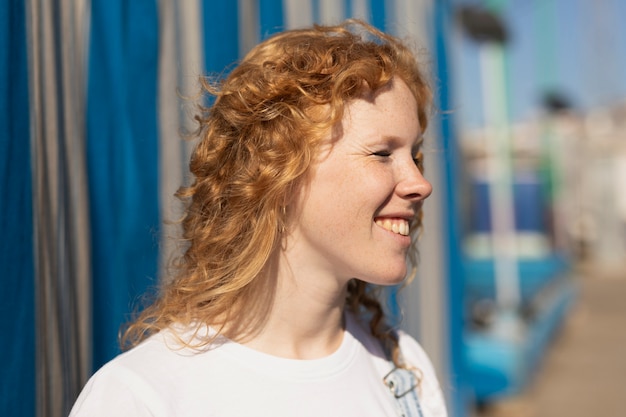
[413, 352]
[416, 358]
[125, 378]
[166, 348]
[140, 379]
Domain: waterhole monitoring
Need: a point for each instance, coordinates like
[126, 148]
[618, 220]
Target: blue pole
[458, 397]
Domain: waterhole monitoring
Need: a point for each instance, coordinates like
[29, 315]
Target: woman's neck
[305, 320]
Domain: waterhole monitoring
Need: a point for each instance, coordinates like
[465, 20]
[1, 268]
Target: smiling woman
[362, 194]
[307, 195]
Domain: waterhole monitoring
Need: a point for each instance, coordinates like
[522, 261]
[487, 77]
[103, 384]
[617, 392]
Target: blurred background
[519, 295]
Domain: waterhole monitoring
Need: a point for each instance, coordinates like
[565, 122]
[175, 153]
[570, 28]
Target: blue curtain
[271, 16]
[122, 160]
[221, 35]
[378, 15]
[17, 318]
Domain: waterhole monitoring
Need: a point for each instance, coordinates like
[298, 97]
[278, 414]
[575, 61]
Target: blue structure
[517, 282]
[500, 366]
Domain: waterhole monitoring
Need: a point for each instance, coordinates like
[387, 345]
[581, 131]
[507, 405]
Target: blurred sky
[575, 47]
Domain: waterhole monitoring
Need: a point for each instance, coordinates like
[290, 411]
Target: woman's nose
[413, 185]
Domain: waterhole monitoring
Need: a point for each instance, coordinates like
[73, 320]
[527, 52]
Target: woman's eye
[382, 153]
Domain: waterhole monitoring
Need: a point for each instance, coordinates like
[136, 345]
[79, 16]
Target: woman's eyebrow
[398, 141]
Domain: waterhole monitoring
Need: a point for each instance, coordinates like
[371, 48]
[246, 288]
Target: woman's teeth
[399, 226]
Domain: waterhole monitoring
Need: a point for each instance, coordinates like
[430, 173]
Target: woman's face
[351, 218]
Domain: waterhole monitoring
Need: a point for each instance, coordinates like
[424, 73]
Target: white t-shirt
[158, 378]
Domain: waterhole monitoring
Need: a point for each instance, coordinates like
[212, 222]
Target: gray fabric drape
[57, 35]
[180, 67]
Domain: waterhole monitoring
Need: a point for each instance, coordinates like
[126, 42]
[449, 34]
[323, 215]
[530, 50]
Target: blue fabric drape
[122, 159]
[347, 6]
[271, 16]
[221, 35]
[17, 318]
[377, 11]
